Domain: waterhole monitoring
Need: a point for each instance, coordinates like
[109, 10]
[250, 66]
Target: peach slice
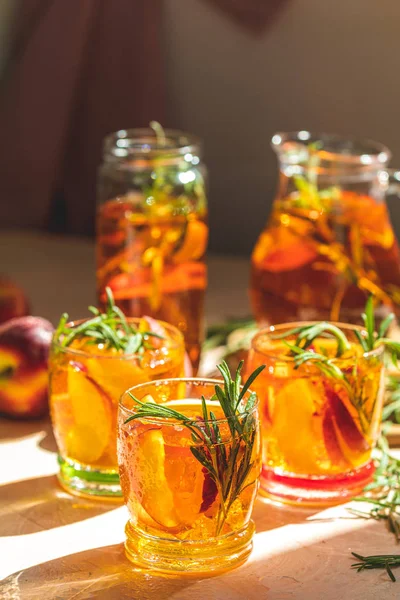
[194, 243]
[157, 499]
[91, 409]
[296, 425]
[149, 324]
[331, 441]
[352, 436]
[116, 375]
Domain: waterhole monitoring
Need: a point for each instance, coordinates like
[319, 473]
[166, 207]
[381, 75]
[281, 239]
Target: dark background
[233, 72]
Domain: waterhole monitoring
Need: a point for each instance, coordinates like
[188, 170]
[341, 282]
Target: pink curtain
[254, 15]
[79, 69]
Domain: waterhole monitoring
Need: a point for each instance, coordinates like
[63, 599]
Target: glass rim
[376, 154]
[290, 359]
[175, 344]
[142, 143]
[176, 380]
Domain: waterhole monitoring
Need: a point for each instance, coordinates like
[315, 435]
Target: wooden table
[57, 547]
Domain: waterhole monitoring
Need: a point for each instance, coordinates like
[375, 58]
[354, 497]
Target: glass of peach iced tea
[189, 460]
[321, 397]
[91, 363]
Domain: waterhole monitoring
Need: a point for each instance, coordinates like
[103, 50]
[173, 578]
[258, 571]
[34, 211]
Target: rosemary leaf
[111, 328]
[385, 325]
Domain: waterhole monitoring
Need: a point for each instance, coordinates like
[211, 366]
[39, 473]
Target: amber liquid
[169, 493]
[314, 427]
[312, 265]
[154, 263]
[84, 393]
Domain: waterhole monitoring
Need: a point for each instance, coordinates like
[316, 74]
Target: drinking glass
[318, 430]
[189, 500]
[86, 383]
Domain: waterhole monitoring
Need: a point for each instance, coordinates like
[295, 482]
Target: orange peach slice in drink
[332, 443]
[91, 409]
[284, 252]
[296, 427]
[186, 481]
[194, 242]
[352, 442]
[116, 375]
[157, 498]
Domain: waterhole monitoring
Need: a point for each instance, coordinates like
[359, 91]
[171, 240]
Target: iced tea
[190, 487]
[86, 381]
[322, 260]
[318, 429]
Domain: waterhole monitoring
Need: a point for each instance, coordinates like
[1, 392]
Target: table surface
[59, 547]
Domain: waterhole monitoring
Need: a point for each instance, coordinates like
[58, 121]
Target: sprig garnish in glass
[384, 491]
[110, 328]
[168, 185]
[227, 464]
[303, 353]
[308, 195]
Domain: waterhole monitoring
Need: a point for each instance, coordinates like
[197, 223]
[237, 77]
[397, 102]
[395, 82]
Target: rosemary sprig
[380, 561]
[383, 493]
[219, 335]
[308, 333]
[159, 132]
[228, 464]
[110, 328]
[391, 410]
[303, 352]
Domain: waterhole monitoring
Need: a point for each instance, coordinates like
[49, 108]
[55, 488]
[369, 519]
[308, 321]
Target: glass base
[315, 491]
[206, 557]
[89, 482]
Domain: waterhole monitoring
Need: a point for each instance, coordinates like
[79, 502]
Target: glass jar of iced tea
[152, 228]
[328, 243]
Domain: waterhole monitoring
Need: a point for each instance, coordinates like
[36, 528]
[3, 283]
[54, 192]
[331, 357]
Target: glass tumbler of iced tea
[152, 228]
[189, 475]
[328, 243]
[320, 413]
[87, 379]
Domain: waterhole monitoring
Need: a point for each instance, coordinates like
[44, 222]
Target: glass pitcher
[152, 229]
[329, 242]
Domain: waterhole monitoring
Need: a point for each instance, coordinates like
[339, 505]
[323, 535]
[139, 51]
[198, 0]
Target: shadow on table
[101, 573]
[269, 515]
[303, 567]
[39, 504]
[11, 429]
